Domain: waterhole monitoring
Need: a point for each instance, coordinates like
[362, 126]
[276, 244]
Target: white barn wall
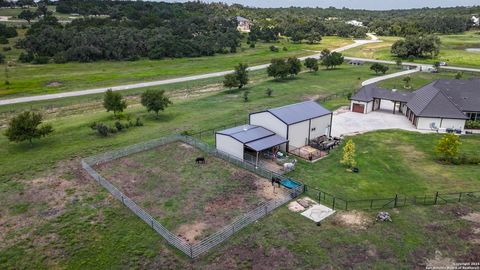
[229, 145]
[320, 124]
[424, 122]
[269, 121]
[368, 106]
[298, 134]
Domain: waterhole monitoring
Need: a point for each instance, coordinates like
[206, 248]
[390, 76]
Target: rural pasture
[55, 216]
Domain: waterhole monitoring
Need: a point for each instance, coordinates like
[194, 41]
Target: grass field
[452, 50]
[192, 200]
[29, 79]
[54, 216]
[420, 79]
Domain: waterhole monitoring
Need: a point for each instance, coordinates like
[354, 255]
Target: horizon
[350, 4]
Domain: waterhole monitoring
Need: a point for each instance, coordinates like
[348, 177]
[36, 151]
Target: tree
[399, 63]
[278, 69]
[27, 15]
[314, 37]
[447, 146]
[436, 65]
[407, 81]
[239, 78]
[311, 64]
[459, 75]
[113, 101]
[330, 60]
[155, 101]
[417, 46]
[230, 81]
[294, 66]
[26, 127]
[348, 158]
[377, 67]
[241, 74]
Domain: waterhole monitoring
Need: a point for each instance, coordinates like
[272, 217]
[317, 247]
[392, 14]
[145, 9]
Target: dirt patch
[473, 217]
[249, 256]
[54, 84]
[44, 198]
[269, 192]
[353, 219]
[440, 262]
[191, 232]
[186, 146]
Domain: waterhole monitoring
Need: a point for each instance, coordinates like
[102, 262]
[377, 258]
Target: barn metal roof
[266, 143]
[299, 112]
[255, 137]
[247, 133]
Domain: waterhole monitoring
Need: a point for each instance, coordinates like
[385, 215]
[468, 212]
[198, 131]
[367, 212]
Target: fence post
[396, 199]
[122, 200]
[191, 251]
[371, 203]
[333, 204]
[319, 196]
[460, 197]
[436, 197]
[346, 205]
[266, 210]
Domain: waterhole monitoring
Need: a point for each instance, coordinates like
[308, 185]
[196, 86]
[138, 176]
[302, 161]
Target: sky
[353, 4]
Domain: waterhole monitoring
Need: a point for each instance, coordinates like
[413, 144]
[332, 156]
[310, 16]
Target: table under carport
[272, 143]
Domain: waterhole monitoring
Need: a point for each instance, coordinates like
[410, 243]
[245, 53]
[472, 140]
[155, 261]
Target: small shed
[241, 140]
[298, 123]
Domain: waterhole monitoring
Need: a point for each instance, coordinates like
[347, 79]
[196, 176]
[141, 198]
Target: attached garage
[359, 108]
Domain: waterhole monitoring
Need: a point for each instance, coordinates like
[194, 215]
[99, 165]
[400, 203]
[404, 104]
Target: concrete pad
[318, 212]
[351, 123]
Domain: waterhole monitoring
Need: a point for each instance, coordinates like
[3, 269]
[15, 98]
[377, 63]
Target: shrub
[447, 146]
[252, 45]
[138, 122]
[119, 126]
[27, 126]
[59, 58]
[269, 92]
[25, 57]
[40, 60]
[3, 40]
[472, 124]
[6, 49]
[2, 58]
[285, 49]
[274, 48]
[245, 95]
[348, 158]
[101, 129]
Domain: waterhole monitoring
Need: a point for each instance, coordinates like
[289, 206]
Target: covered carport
[372, 98]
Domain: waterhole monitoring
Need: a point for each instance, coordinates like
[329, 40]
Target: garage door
[358, 107]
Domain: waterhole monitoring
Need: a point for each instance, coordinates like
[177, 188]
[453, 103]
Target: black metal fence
[338, 202]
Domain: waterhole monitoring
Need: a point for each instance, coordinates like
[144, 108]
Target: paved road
[195, 77]
[160, 82]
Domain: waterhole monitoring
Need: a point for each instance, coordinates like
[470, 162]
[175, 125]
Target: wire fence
[196, 249]
[337, 202]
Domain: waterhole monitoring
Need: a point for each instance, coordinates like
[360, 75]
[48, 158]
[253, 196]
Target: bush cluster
[104, 130]
[472, 124]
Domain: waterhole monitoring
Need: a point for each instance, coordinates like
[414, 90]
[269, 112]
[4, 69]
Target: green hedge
[471, 124]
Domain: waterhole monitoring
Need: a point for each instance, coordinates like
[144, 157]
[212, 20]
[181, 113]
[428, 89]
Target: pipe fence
[196, 249]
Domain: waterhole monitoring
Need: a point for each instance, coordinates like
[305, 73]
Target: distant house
[243, 24]
[356, 62]
[354, 23]
[441, 104]
[476, 20]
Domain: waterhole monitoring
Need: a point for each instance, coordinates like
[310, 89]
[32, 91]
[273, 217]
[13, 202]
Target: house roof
[465, 94]
[371, 91]
[255, 137]
[242, 19]
[299, 112]
[429, 101]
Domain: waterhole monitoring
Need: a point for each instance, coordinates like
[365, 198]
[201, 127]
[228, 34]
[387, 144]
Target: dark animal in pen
[200, 160]
[276, 180]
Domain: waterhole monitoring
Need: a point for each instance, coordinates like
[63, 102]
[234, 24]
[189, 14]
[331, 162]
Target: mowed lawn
[452, 50]
[393, 162]
[29, 79]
